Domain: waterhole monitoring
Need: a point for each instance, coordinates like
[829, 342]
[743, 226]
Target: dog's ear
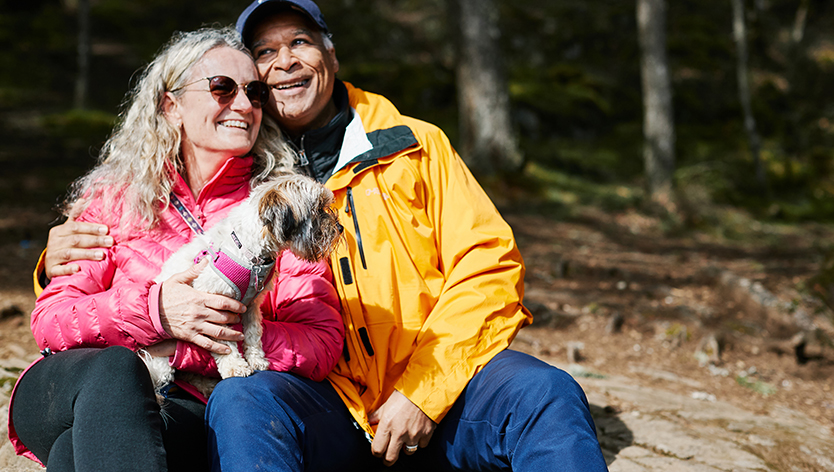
[320, 232]
[289, 225]
[277, 217]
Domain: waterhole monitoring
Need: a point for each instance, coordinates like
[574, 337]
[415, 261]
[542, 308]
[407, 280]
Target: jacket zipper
[303, 162]
[351, 210]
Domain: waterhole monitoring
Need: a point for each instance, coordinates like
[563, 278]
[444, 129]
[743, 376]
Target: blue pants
[517, 413]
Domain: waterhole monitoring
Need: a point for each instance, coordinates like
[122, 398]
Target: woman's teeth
[235, 124]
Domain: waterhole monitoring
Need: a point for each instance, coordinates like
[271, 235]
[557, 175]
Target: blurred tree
[487, 141]
[83, 73]
[572, 67]
[799, 22]
[740, 38]
[794, 72]
[658, 121]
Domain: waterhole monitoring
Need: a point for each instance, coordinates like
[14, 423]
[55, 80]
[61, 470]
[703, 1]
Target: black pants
[95, 410]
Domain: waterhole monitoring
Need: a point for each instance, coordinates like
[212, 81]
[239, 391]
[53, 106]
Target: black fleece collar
[319, 148]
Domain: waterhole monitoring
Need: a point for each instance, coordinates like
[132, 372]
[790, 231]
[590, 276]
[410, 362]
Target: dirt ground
[610, 292]
[673, 295]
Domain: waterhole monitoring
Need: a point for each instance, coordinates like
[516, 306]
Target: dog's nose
[340, 227]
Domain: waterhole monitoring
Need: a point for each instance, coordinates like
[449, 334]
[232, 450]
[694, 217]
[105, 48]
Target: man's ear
[171, 109]
[332, 52]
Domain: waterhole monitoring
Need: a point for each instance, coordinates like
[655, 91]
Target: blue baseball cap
[259, 9]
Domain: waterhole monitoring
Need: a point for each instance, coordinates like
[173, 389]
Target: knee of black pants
[119, 370]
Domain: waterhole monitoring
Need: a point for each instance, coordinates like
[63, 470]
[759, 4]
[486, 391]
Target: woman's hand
[198, 317]
[400, 423]
[73, 241]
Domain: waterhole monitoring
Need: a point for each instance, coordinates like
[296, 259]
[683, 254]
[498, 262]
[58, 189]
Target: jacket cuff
[153, 310]
[176, 360]
[39, 276]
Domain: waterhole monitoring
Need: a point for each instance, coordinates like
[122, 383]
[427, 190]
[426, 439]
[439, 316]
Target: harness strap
[186, 215]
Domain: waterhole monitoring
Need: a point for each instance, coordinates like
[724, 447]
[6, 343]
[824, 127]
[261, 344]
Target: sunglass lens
[223, 88]
[257, 92]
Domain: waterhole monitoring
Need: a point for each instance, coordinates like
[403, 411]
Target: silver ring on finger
[411, 449]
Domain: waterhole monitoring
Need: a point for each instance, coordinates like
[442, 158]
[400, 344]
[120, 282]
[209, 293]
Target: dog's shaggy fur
[291, 212]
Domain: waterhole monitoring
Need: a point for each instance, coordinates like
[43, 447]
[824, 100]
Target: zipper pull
[349, 199]
[358, 234]
[303, 154]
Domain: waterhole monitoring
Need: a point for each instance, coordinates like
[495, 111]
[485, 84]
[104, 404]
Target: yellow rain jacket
[429, 274]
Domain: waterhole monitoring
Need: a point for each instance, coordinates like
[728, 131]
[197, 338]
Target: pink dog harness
[246, 278]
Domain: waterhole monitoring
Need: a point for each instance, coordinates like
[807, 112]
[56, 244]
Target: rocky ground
[686, 346]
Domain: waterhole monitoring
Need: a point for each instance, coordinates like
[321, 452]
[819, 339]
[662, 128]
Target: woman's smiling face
[211, 130]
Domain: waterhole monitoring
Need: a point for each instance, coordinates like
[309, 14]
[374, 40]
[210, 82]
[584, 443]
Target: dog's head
[296, 214]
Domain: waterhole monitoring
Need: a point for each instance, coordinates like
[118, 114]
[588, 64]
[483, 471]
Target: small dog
[292, 212]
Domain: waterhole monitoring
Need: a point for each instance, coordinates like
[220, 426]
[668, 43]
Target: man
[430, 281]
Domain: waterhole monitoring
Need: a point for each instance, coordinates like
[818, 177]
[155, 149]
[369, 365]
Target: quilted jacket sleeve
[303, 330]
[83, 310]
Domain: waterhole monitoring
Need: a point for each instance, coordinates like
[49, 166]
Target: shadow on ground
[613, 434]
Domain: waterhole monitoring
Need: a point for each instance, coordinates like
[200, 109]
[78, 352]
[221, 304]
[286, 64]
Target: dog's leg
[161, 372]
[252, 332]
[232, 365]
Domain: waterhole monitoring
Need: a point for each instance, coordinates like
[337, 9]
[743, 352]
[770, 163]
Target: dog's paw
[259, 363]
[238, 371]
[235, 367]
[244, 371]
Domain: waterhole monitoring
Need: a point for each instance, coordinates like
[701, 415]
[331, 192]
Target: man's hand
[72, 241]
[198, 317]
[400, 423]
[166, 348]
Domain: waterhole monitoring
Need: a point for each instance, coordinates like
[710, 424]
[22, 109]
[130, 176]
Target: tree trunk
[794, 53]
[799, 22]
[487, 142]
[82, 77]
[740, 37]
[658, 120]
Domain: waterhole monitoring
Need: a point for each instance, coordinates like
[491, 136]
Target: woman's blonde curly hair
[134, 165]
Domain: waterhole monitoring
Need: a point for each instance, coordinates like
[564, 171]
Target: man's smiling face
[291, 57]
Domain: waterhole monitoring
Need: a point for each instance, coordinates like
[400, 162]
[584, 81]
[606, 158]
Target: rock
[615, 323]
[756, 299]
[575, 352]
[703, 396]
[710, 349]
[658, 431]
[10, 311]
[663, 375]
[544, 317]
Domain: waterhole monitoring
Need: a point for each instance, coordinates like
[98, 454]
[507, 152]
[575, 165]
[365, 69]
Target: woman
[191, 130]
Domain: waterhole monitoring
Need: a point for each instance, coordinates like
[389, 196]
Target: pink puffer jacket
[114, 302]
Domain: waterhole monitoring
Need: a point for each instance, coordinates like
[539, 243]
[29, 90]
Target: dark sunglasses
[224, 89]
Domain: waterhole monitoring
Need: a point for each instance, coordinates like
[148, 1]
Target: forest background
[724, 284]
[571, 69]
[572, 72]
